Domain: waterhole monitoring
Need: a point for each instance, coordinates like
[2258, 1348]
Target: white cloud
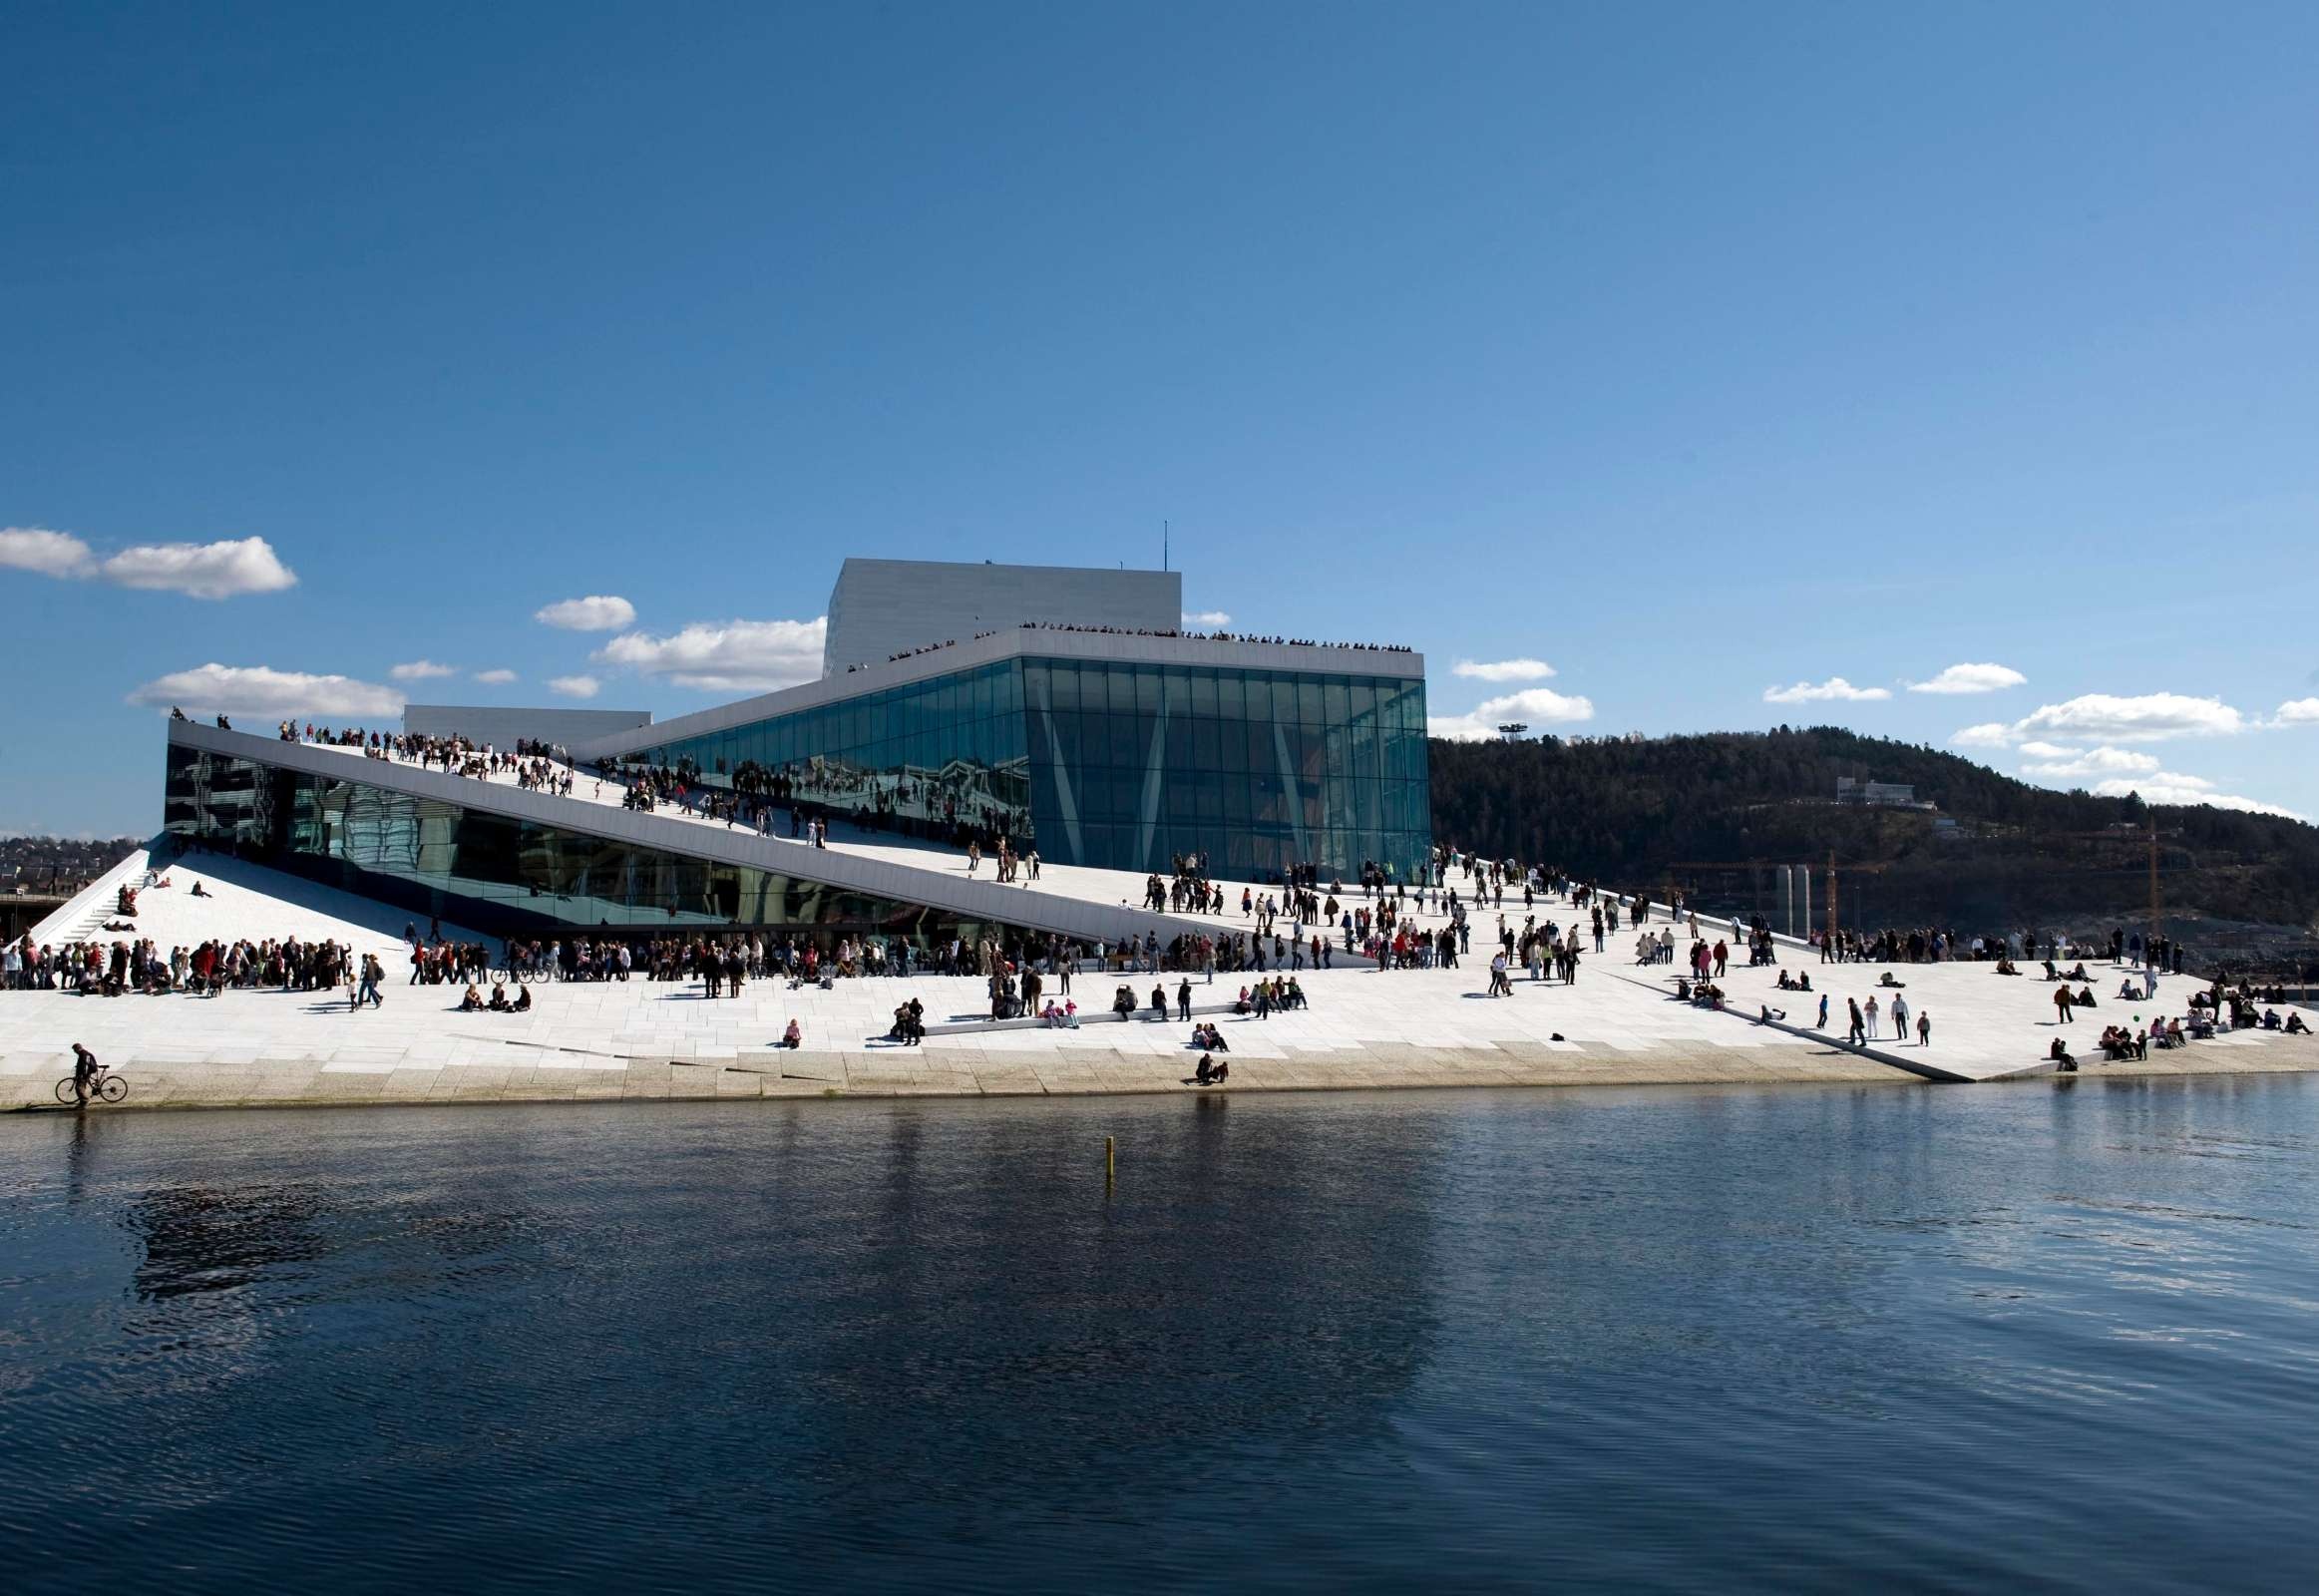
[574, 686]
[200, 570]
[2106, 717]
[1971, 678]
[1205, 619]
[49, 554]
[596, 613]
[495, 678]
[2150, 717]
[2171, 787]
[727, 656]
[2103, 761]
[2034, 751]
[1459, 728]
[1503, 669]
[261, 691]
[2299, 712]
[1535, 706]
[421, 671]
[1835, 688]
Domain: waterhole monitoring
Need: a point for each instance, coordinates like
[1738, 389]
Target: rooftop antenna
[1163, 545]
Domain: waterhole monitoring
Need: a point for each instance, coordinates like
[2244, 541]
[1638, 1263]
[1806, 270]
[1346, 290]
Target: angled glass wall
[1120, 766]
[1133, 765]
[503, 875]
[924, 759]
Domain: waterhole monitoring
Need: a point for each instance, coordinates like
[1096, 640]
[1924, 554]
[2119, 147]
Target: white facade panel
[884, 607]
[502, 726]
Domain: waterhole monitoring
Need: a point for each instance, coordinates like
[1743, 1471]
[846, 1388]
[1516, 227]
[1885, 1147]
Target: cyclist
[86, 1069]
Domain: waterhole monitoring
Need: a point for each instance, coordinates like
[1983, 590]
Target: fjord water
[1771, 1339]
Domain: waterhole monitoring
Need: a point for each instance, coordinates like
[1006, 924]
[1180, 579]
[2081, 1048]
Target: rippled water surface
[1803, 1338]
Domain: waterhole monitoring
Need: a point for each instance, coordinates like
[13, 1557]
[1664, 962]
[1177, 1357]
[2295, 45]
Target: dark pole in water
[2150, 949]
[1110, 1161]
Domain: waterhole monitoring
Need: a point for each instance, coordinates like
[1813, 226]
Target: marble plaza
[640, 1039]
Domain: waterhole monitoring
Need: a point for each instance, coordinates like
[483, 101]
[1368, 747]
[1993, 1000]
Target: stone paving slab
[1010, 1074]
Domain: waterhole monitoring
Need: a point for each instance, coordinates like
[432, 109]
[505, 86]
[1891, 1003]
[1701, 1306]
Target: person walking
[1924, 1031]
[367, 991]
[84, 1074]
[1184, 999]
[1855, 1035]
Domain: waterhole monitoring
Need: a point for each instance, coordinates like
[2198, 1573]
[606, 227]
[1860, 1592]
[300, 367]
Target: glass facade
[1121, 765]
[920, 758]
[499, 874]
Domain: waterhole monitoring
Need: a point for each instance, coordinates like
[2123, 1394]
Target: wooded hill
[1718, 812]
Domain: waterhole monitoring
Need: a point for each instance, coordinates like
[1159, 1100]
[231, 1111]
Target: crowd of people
[2214, 1011]
[1421, 918]
[1203, 636]
[138, 966]
[1936, 944]
[533, 765]
[1147, 631]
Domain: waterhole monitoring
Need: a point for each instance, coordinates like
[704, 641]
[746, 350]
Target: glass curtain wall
[500, 874]
[1124, 766]
[1135, 765]
[924, 759]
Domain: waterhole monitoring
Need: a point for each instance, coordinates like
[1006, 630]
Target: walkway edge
[1913, 1066]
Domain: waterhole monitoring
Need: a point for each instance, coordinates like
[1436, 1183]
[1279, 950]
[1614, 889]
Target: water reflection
[220, 1241]
[1650, 1338]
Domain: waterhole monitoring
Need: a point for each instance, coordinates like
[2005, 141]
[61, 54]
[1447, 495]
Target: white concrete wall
[501, 727]
[881, 608]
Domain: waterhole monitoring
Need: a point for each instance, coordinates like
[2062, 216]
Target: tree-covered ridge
[1642, 811]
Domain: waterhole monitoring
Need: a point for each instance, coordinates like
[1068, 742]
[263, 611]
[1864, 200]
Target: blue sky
[1691, 352]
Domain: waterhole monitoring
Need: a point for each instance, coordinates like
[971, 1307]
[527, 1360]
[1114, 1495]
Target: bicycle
[105, 1084]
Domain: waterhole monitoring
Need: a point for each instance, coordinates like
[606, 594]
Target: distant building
[1875, 794]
